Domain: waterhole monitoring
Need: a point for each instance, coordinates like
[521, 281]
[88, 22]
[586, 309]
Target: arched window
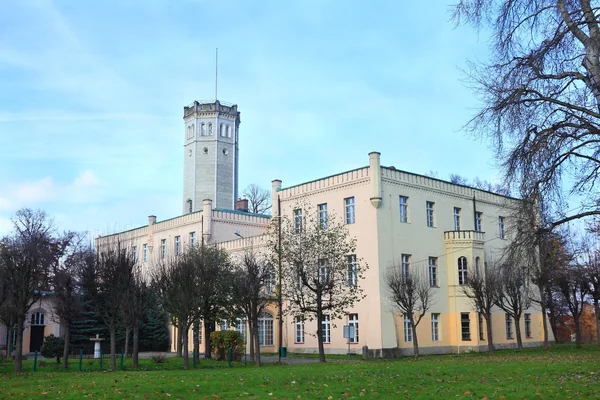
[223, 130]
[189, 205]
[193, 131]
[209, 129]
[228, 131]
[462, 270]
[265, 329]
[202, 130]
[476, 267]
[189, 131]
[37, 318]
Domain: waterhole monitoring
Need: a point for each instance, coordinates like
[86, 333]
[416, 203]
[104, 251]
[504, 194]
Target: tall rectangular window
[435, 327]
[323, 218]
[429, 209]
[465, 326]
[408, 330]
[478, 221]
[481, 335]
[501, 227]
[509, 329]
[163, 248]
[298, 221]
[192, 239]
[240, 326]
[405, 266]
[349, 208]
[265, 329]
[353, 321]
[352, 273]
[403, 209]
[528, 326]
[177, 245]
[326, 329]
[456, 219]
[433, 281]
[134, 254]
[145, 252]
[323, 271]
[299, 329]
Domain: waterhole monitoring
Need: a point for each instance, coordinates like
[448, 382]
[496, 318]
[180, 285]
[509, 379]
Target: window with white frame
[323, 219]
[223, 133]
[240, 326]
[528, 326]
[37, 319]
[299, 321]
[509, 329]
[265, 329]
[352, 273]
[134, 254]
[353, 321]
[349, 209]
[405, 265]
[223, 325]
[501, 227]
[435, 327]
[297, 220]
[163, 248]
[403, 209]
[462, 270]
[465, 326]
[202, 130]
[429, 209]
[478, 221]
[192, 239]
[323, 271]
[270, 279]
[145, 252]
[326, 329]
[481, 335]
[177, 245]
[433, 280]
[408, 333]
[228, 131]
[456, 219]
[210, 132]
[199, 330]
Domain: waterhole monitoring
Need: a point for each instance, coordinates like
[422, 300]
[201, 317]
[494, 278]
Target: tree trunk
[207, 342]
[490, 336]
[518, 332]
[320, 331]
[196, 335]
[66, 347]
[113, 347]
[19, 349]
[415, 340]
[136, 346]
[127, 333]
[251, 337]
[186, 352]
[257, 346]
[545, 325]
[10, 334]
[577, 330]
[597, 313]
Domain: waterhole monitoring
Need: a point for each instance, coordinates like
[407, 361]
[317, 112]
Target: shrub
[53, 347]
[222, 341]
[159, 358]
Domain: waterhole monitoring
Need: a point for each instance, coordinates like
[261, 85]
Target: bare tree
[259, 199]
[320, 271]
[512, 294]
[482, 288]
[541, 97]
[574, 287]
[26, 260]
[411, 294]
[138, 298]
[593, 279]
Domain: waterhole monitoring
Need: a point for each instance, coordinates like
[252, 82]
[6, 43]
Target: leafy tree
[138, 298]
[259, 199]
[320, 272]
[53, 347]
[574, 287]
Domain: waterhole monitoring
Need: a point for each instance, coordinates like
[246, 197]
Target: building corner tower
[210, 166]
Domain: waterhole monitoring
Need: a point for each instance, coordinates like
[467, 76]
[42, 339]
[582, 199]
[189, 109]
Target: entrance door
[36, 338]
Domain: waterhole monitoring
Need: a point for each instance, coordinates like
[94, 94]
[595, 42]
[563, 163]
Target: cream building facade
[441, 229]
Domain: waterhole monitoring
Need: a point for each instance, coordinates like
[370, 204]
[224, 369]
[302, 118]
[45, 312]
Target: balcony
[464, 235]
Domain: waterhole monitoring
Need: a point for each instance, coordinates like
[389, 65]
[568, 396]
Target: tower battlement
[211, 106]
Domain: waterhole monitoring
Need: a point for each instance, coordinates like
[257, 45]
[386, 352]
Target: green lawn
[563, 372]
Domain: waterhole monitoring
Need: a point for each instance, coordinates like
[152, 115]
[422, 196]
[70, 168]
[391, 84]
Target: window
[326, 329]
[433, 272]
[299, 329]
[403, 209]
[210, 130]
[501, 227]
[223, 325]
[240, 326]
[177, 245]
[270, 279]
[477, 262]
[481, 336]
[465, 326]
[429, 206]
[462, 271]
[478, 221]
[349, 206]
[322, 209]
[456, 219]
[228, 131]
[163, 248]
[134, 254]
[509, 329]
[407, 330]
[189, 204]
[405, 266]
[352, 273]
[323, 272]
[37, 318]
[435, 327]
[192, 239]
[299, 277]
[353, 321]
[202, 130]
[298, 221]
[223, 130]
[528, 326]
[145, 252]
[199, 332]
[265, 329]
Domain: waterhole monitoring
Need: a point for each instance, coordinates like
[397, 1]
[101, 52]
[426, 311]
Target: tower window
[222, 130]
[202, 130]
[228, 131]
[210, 130]
[205, 150]
[189, 205]
[462, 271]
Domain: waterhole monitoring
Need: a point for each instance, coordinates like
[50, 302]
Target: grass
[563, 372]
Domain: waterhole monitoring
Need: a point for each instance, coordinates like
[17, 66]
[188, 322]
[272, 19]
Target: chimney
[206, 219]
[241, 205]
[151, 219]
[275, 188]
[375, 175]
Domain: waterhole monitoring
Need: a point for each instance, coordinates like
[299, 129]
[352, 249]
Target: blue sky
[92, 97]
